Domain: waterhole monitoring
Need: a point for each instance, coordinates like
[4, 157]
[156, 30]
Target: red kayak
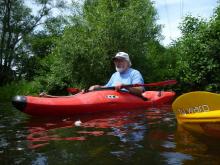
[90, 102]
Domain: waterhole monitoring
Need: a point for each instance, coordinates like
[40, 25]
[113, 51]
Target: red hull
[92, 102]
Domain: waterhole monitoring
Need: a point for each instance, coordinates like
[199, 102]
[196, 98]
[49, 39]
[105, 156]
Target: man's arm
[136, 90]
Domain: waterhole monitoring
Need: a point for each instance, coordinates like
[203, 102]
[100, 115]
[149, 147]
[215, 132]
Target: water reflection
[131, 131]
[198, 146]
[127, 126]
[148, 136]
[210, 129]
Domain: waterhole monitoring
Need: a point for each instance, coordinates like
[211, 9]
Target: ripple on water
[175, 157]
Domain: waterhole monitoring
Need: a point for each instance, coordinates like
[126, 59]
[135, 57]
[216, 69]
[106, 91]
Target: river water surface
[149, 136]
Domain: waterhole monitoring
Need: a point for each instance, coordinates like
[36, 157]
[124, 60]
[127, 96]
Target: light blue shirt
[130, 76]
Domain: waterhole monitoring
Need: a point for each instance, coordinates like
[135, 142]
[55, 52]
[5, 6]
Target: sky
[172, 12]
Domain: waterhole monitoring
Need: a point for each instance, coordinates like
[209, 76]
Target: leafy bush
[18, 88]
[198, 62]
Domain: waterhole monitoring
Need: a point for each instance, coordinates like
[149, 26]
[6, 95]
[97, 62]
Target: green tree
[198, 63]
[17, 22]
[40, 44]
[100, 29]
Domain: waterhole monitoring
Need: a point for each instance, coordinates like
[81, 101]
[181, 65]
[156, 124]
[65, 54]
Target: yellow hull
[202, 117]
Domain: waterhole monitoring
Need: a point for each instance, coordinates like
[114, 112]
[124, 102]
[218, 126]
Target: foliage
[19, 88]
[77, 50]
[17, 23]
[198, 64]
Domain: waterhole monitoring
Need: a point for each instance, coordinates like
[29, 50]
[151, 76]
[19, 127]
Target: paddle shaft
[161, 83]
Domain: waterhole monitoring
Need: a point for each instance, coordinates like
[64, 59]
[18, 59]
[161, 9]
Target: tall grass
[18, 88]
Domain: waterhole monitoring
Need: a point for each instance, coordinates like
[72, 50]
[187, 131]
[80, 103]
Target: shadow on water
[123, 137]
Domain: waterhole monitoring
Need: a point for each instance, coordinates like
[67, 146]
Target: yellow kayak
[202, 117]
[199, 112]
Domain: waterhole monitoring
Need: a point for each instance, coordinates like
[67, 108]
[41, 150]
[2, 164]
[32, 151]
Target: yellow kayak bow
[199, 112]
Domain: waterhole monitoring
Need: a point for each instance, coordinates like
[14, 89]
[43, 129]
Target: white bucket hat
[123, 55]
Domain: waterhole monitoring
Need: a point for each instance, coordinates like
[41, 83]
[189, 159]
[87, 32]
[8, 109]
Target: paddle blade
[73, 90]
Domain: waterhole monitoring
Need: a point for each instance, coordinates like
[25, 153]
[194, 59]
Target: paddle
[73, 90]
[161, 83]
[195, 102]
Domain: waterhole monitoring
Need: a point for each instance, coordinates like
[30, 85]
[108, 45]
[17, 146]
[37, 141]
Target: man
[124, 75]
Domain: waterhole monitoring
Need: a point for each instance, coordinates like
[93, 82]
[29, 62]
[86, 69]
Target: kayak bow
[199, 112]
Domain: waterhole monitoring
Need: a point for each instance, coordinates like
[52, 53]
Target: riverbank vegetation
[50, 52]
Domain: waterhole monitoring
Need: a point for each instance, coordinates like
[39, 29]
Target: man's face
[121, 64]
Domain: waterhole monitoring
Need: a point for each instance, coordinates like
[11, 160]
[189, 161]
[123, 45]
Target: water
[127, 137]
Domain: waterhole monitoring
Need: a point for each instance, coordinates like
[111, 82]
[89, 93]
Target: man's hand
[94, 87]
[43, 94]
[118, 86]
